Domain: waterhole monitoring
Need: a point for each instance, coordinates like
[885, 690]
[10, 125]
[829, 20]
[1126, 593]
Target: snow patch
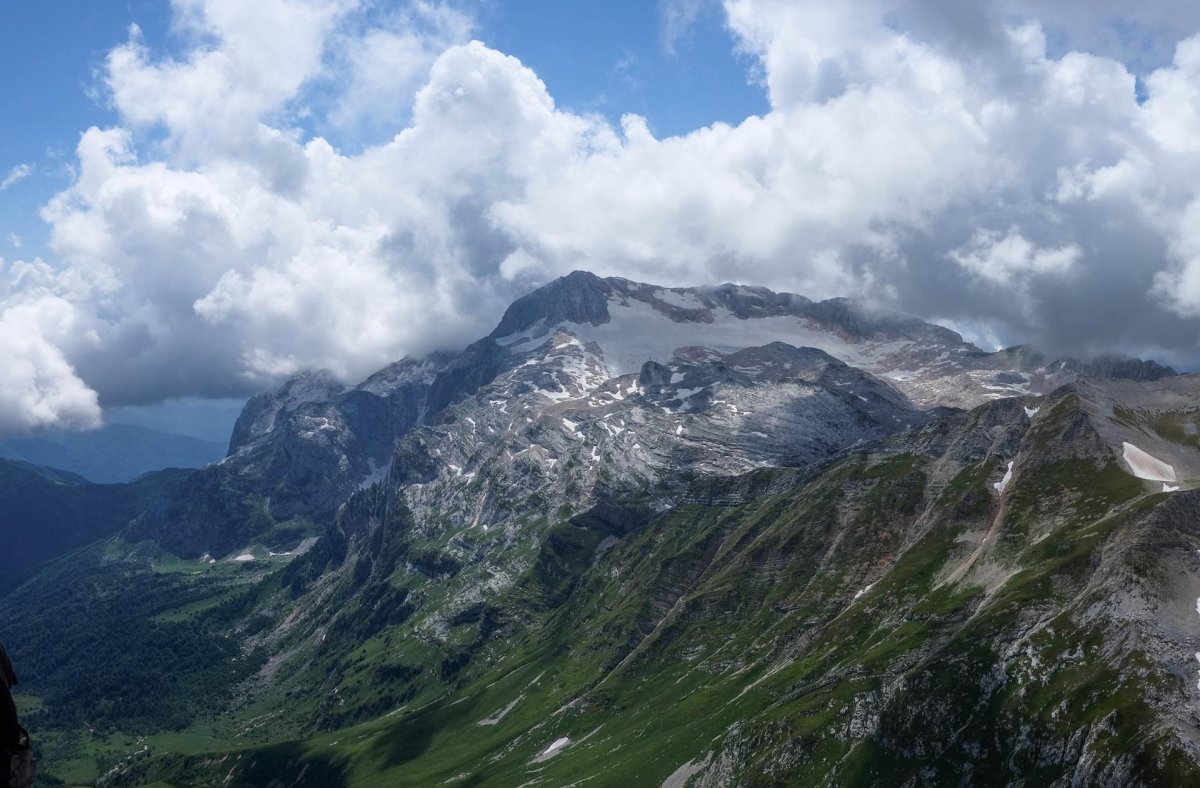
[1003, 483]
[1031, 412]
[522, 336]
[244, 557]
[375, 474]
[555, 747]
[1145, 466]
[1170, 487]
[637, 332]
[682, 300]
[682, 394]
[681, 776]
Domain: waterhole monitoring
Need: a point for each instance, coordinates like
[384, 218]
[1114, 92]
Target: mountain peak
[259, 414]
[578, 297]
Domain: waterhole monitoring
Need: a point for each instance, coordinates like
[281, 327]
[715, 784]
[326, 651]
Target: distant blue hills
[114, 453]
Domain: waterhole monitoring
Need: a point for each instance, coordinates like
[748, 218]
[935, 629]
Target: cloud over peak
[208, 244]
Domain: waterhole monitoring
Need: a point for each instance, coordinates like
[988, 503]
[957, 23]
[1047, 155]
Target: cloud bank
[1035, 176]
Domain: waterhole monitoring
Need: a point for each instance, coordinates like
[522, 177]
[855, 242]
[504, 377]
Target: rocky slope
[295, 456]
[933, 366]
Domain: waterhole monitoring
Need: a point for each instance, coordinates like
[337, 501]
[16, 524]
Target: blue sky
[49, 51]
[609, 58]
[613, 58]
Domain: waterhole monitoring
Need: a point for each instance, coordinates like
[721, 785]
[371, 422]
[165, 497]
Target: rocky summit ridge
[578, 346]
[655, 536]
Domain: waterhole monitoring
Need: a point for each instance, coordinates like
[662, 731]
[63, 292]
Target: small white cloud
[16, 175]
[677, 18]
[14, 240]
[1003, 258]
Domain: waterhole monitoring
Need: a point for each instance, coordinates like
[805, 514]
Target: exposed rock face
[579, 297]
[930, 364]
[262, 411]
[296, 455]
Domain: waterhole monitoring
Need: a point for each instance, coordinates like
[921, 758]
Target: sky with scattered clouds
[217, 193]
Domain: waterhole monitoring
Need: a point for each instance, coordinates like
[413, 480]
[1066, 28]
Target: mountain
[299, 452]
[908, 611]
[46, 513]
[931, 365]
[296, 454]
[690, 536]
[207, 419]
[113, 453]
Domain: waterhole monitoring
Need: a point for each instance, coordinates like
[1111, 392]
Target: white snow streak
[1003, 483]
[554, 748]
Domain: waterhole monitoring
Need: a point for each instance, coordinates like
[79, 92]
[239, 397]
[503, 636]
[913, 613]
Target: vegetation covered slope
[46, 513]
[890, 616]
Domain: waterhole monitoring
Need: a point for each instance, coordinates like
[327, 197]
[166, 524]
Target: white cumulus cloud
[39, 387]
[1002, 258]
[941, 158]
